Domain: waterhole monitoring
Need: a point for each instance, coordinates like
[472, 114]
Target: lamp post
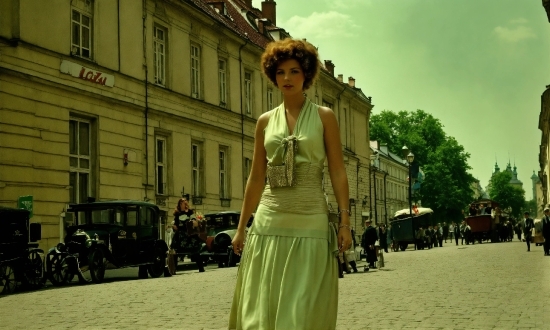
[373, 159]
[410, 159]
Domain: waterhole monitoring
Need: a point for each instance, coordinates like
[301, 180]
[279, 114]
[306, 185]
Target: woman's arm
[337, 172]
[256, 181]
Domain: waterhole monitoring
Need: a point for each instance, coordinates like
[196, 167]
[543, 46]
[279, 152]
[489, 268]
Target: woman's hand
[344, 239]
[238, 242]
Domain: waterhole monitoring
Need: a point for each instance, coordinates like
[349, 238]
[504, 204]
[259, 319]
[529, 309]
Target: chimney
[262, 23]
[341, 78]
[351, 82]
[269, 10]
[330, 67]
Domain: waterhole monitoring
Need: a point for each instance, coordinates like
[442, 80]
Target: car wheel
[232, 258]
[8, 284]
[97, 266]
[142, 272]
[57, 269]
[403, 246]
[156, 269]
[33, 270]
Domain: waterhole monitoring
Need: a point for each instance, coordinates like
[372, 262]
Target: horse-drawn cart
[404, 227]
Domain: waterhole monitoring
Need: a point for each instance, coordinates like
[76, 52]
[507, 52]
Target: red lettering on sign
[81, 75]
[102, 80]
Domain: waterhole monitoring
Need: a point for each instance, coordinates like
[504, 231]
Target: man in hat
[367, 242]
[528, 225]
[546, 231]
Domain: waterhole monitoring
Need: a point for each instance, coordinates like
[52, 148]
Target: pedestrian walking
[462, 235]
[367, 243]
[383, 237]
[451, 231]
[291, 238]
[445, 231]
[389, 240]
[546, 231]
[420, 238]
[528, 225]
[457, 232]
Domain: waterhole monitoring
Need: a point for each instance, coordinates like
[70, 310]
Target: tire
[33, 271]
[97, 265]
[403, 246]
[142, 272]
[232, 258]
[156, 269]
[57, 269]
[8, 283]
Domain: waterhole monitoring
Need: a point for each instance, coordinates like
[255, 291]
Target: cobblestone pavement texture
[482, 286]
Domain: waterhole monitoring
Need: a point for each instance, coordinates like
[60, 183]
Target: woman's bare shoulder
[264, 119]
[326, 114]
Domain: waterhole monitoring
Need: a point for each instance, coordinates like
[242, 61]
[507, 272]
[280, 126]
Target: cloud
[520, 20]
[515, 34]
[346, 4]
[321, 25]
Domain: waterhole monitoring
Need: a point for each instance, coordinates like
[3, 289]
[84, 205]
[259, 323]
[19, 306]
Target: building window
[248, 92]
[81, 44]
[222, 77]
[160, 165]
[196, 164]
[269, 99]
[224, 172]
[247, 167]
[80, 139]
[159, 57]
[195, 71]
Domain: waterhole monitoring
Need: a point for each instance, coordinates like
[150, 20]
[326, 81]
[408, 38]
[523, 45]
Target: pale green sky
[480, 66]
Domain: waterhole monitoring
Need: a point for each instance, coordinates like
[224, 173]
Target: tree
[419, 131]
[508, 196]
[447, 184]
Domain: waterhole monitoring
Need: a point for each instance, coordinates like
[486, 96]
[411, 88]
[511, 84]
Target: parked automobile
[222, 227]
[21, 264]
[108, 235]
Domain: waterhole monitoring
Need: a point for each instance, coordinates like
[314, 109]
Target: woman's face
[183, 204]
[290, 77]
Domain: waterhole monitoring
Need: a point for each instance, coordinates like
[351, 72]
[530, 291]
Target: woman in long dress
[288, 275]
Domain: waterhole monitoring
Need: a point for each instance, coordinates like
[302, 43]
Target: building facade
[544, 121]
[145, 100]
[389, 187]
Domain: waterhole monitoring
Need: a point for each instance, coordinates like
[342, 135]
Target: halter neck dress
[288, 275]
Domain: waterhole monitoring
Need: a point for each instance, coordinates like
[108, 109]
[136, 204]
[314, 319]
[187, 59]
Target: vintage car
[108, 235]
[222, 227]
[404, 227]
[21, 264]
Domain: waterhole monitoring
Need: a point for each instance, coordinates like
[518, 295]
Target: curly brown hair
[302, 51]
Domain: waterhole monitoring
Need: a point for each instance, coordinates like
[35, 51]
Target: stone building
[544, 122]
[389, 187]
[145, 100]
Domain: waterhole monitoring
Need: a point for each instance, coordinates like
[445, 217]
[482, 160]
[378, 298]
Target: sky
[479, 66]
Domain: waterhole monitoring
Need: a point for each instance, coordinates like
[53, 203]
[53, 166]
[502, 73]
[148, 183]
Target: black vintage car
[108, 235]
[21, 263]
[222, 227]
[404, 227]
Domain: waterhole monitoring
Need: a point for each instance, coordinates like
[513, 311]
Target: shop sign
[82, 72]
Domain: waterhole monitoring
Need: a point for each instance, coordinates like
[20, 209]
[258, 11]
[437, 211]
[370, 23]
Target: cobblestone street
[487, 286]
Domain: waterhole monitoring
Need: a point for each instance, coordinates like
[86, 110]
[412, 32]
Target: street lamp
[373, 159]
[410, 158]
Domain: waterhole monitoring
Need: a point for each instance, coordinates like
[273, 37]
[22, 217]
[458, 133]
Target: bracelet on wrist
[344, 211]
[344, 226]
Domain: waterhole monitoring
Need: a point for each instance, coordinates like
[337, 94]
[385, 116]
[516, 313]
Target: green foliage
[418, 130]
[447, 185]
[509, 197]
[532, 207]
